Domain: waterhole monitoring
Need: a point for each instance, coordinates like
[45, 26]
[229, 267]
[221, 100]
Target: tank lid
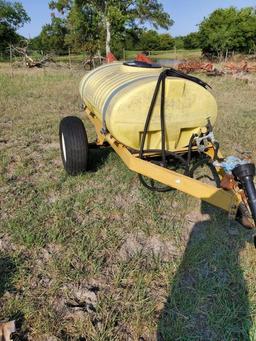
[136, 63]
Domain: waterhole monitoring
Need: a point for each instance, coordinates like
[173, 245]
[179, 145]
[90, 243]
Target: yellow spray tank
[120, 96]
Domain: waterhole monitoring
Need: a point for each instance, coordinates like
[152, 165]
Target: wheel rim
[63, 147]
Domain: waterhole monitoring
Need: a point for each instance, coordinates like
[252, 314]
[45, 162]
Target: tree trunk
[108, 36]
[226, 57]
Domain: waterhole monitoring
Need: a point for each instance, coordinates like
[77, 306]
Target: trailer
[161, 124]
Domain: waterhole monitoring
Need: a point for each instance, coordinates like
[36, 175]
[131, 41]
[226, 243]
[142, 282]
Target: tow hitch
[239, 176]
[244, 174]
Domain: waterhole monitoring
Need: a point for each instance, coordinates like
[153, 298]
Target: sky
[187, 14]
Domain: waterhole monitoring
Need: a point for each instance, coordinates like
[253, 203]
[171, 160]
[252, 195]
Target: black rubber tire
[73, 145]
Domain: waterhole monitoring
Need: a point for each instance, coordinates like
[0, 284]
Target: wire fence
[67, 55]
[18, 56]
[23, 56]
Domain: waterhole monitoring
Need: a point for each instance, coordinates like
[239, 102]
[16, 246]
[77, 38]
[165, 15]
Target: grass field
[98, 257]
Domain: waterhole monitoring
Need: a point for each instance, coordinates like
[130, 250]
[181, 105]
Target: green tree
[166, 42]
[152, 40]
[192, 41]
[52, 36]
[149, 40]
[179, 42]
[246, 35]
[12, 17]
[228, 30]
[84, 26]
[110, 18]
[132, 38]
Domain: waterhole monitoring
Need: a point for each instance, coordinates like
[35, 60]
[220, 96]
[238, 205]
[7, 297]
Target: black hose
[161, 83]
[216, 151]
[150, 111]
[206, 162]
[162, 115]
[189, 154]
[154, 188]
[175, 73]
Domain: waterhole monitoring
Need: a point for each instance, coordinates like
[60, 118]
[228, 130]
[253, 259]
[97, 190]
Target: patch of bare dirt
[6, 244]
[77, 303]
[147, 246]
[77, 299]
[44, 255]
[11, 168]
[191, 220]
[51, 146]
[81, 297]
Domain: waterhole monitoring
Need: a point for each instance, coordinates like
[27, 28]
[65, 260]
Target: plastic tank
[120, 96]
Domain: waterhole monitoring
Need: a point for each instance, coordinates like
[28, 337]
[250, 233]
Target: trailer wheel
[73, 145]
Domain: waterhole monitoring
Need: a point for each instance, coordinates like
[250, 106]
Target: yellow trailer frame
[228, 200]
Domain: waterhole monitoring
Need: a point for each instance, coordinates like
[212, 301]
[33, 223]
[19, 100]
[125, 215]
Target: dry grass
[97, 257]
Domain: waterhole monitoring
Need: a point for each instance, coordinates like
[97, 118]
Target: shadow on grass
[97, 157]
[208, 298]
[7, 270]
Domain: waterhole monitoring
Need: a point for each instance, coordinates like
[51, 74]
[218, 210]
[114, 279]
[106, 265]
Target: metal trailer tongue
[242, 173]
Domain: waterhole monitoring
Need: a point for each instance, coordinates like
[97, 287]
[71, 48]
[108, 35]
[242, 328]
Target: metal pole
[69, 58]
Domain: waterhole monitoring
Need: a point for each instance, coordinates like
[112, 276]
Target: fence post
[69, 57]
[10, 47]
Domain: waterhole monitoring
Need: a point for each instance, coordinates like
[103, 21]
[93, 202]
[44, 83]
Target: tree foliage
[179, 42]
[95, 21]
[166, 42]
[191, 41]
[84, 28]
[152, 40]
[52, 37]
[12, 17]
[149, 40]
[227, 30]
